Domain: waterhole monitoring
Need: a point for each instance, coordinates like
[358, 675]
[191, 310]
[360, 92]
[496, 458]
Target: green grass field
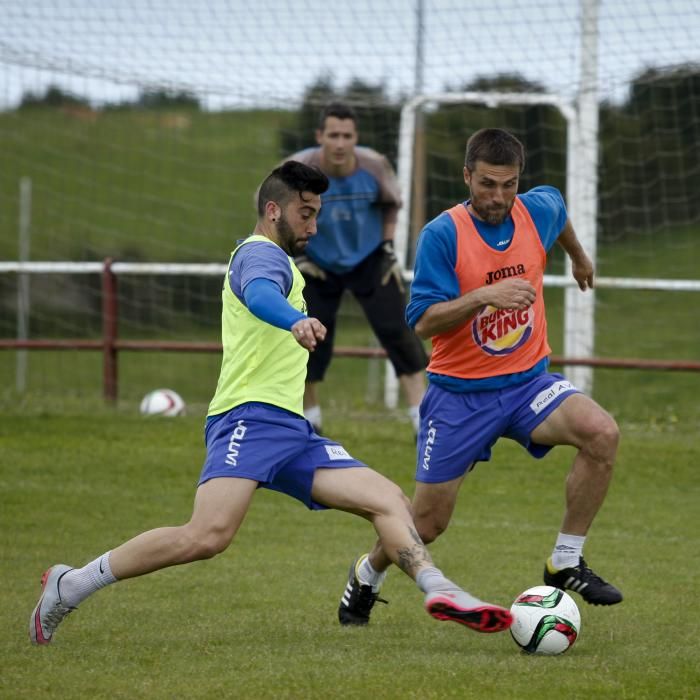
[259, 621]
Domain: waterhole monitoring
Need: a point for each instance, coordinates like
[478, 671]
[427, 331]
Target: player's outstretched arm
[581, 264]
[265, 300]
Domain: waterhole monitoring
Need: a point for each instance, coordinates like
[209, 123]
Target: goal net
[139, 132]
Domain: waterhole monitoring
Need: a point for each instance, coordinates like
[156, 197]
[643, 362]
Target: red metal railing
[111, 346]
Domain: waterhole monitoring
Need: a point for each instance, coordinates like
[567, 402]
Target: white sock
[567, 551]
[78, 584]
[414, 414]
[369, 576]
[313, 415]
[432, 579]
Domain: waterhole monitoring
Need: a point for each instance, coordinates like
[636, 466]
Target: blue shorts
[457, 430]
[272, 446]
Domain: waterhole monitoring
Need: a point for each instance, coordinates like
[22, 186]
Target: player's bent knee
[611, 435]
[602, 444]
[429, 529]
[207, 544]
[397, 501]
[389, 501]
[210, 548]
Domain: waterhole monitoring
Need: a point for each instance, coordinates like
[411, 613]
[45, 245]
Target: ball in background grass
[162, 402]
[546, 620]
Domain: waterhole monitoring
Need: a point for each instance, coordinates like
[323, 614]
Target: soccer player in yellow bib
[257, 436]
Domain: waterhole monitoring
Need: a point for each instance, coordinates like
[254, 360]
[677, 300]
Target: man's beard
[287, 238]
[491, 216]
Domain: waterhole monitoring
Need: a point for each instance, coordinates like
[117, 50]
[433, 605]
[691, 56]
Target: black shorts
[384, 307]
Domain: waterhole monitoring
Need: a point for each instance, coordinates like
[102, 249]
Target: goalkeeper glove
[308, 268]
[390, 265]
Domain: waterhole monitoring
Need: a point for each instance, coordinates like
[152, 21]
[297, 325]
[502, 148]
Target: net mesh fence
[140, 131]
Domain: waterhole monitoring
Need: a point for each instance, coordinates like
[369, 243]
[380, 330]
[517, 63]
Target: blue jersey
[248, 265]
[262, 283]
[354, 211]
[435, 279]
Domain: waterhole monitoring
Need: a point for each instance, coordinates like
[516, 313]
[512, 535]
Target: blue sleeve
[434, 277]
[264, 299]
[260, 275]
[260, 259]
[548, 211]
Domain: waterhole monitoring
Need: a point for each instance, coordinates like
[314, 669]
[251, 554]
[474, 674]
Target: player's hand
[308, 268]
[582, 271]
[308, 332]
[390, 266]
[515, 293]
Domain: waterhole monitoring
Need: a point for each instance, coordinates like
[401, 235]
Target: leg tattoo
[411, 558]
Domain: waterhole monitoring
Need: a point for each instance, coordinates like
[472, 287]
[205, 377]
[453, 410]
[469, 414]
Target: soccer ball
[546, 620]
[162, 402]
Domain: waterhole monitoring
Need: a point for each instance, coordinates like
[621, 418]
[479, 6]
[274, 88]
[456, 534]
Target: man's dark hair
[339, 110]
[494, 146]
[289, 179]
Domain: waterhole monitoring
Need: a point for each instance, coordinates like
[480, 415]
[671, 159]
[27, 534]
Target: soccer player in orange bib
[477, 293]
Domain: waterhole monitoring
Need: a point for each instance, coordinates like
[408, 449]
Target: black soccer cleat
[358, 599]
[583, 581]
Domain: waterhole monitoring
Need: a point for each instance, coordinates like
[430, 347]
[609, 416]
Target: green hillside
[134, 184]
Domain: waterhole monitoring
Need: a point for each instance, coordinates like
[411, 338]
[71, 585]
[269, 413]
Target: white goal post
[581, 119]
[580, 189]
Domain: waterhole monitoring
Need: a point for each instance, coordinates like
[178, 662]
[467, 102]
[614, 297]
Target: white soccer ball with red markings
[546, 620]
[162, 402]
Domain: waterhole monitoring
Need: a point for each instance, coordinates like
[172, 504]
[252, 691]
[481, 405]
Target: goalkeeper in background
[354, 250]
[256, 434]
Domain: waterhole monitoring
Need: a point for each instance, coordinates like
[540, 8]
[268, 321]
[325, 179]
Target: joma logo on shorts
[234, 443]
[432, 432]
[504, 272]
